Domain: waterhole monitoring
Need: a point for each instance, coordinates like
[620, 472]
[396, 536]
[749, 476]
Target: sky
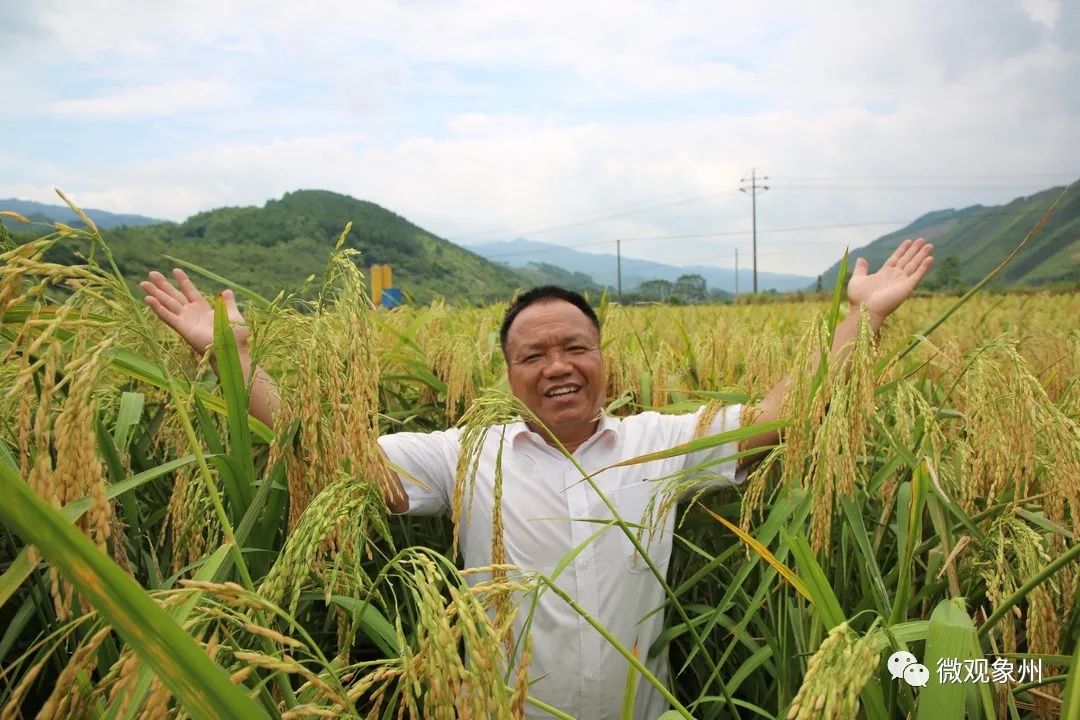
[575, 123]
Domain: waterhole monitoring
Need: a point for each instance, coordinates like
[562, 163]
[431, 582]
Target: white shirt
[544, 505]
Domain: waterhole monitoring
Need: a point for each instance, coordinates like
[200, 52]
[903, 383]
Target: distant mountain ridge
[277, 246]
[972, 241]
[42, 212]
[603, 267]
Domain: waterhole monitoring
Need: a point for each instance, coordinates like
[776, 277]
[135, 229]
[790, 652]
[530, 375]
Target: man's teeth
[562, 391]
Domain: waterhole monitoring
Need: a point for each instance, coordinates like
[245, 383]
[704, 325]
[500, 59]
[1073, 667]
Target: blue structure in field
[391, 297]
[383, 292]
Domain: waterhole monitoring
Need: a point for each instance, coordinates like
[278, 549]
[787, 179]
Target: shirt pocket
[636, 505]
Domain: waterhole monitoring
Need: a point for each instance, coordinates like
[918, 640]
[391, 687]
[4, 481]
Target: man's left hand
[882, 292]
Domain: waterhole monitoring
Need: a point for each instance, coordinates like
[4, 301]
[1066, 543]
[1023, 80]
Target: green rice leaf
[21, 567]
[127, 417]
[212, 570]
[235, 287]
[235, 392]
[705, 443]
[199, 685]
[1070, 699]
[763, 552]
[139, 368]
[950, 636]
[16, 627]
[817, 584]
[374, 624]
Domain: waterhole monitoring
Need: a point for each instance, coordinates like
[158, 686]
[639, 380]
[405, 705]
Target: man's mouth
[562, 391]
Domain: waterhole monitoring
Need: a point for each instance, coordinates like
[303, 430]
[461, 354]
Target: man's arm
[185, 310]
[880, 293]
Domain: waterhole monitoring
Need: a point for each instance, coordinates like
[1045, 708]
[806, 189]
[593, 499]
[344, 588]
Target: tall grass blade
[704, 443]
[1070, 699]
[21, 567]
[820, 593]
[127, 418]
[199, 684]
[234, 390]
[1033, 582]
[763, 552]
[235, 287]
[212, 570]
[950, 637]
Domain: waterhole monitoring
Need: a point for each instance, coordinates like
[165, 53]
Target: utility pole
[753, 188]
[618, 265]
[736, 272]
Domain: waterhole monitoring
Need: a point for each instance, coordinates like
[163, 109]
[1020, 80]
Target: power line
[983, 176]
[612, 213]
[735, 253]
[771, 231]
[742, 233]
[698, 236]
[867, 188]
[855, 183]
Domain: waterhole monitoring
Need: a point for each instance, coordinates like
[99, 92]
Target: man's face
[555, 366]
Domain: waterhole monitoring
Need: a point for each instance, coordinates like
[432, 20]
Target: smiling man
[551, 342]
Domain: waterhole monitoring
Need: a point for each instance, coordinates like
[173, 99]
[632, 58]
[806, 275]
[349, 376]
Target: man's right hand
[187, 312]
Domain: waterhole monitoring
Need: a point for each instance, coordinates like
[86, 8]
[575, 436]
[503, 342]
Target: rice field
[164, 555]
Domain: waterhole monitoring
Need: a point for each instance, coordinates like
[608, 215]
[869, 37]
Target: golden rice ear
[836, 674]
[493, 408]
[331, 392]
[12, 215]
[342, 518]
[78, 472]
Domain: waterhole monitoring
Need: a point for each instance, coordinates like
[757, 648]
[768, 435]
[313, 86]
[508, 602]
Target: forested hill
[971, 242]
[277, 246]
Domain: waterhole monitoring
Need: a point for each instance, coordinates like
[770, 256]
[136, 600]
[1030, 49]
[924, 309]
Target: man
[551, 342]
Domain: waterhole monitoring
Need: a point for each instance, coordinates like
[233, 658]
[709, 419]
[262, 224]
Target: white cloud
[144, 101]
[1046, 12]
[469, 117]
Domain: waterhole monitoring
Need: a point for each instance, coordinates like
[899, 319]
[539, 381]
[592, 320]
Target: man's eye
[531, 358]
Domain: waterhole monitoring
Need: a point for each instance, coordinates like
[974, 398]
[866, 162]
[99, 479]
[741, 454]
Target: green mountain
[277, 246]
[971, 242]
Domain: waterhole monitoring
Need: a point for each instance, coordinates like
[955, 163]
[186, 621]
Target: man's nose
[557, 364]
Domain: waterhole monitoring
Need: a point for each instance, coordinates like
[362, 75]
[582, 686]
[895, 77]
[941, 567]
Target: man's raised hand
[186, 311]
[882, 292]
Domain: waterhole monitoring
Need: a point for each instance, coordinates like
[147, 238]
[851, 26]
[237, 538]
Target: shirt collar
[608, 424]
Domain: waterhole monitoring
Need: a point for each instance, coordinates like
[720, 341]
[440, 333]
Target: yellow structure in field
[381, 279]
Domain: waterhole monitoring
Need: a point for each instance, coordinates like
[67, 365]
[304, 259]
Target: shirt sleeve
[721, 468]
[428, 462]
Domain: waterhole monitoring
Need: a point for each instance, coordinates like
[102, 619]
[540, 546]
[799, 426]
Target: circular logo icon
[917, 675]
[898, 661]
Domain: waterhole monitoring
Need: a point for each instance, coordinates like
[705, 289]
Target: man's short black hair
[541, 294]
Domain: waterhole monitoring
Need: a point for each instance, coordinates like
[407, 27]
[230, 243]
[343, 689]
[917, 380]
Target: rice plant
[166, 555]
